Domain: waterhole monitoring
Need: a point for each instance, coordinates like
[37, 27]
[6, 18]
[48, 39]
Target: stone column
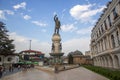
[100, 47]
[108, 42]
[103, 44]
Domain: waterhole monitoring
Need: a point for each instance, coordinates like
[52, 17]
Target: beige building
[105, 37]
[79, 58]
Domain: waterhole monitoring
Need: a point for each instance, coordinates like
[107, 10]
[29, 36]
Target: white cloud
[27, 17]
[2, 15]
[4, 12]
[21, 5]
[68, 27]
[63, 13]
[38, 23]
[85, 13]
[22, 43]
[9, 12]
[84, 31]
[81, 44]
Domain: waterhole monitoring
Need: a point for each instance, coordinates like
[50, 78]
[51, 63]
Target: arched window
[116, 61]
[105, 25]
[115, 13]
[117, 34]
[109, 20]
[113, 41]
[9, 59]
[99, 32]
[0, 59]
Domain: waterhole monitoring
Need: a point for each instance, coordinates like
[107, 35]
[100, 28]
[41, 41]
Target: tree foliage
[6, 46]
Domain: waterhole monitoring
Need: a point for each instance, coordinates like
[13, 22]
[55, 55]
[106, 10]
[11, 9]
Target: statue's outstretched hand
[55, 15]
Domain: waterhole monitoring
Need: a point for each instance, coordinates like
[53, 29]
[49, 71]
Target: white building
[8, 60]
[105, 37]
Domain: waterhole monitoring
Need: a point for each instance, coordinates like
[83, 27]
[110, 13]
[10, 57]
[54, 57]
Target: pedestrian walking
[1, 70]
[10, 68]
[19, 67]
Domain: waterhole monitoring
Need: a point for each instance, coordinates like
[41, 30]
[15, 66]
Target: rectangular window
[109, 20]
[115, 13]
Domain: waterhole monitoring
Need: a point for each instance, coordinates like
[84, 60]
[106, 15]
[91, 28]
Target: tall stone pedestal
[56, 51]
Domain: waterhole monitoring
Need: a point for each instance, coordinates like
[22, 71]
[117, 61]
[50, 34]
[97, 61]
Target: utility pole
[30, 45]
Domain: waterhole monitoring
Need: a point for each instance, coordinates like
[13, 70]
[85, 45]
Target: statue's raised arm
[57, 24]
[55, 18]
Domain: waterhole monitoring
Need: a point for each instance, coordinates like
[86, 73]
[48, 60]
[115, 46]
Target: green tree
[6, 46]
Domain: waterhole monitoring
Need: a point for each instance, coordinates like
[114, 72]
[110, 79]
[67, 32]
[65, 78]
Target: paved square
[73, 74]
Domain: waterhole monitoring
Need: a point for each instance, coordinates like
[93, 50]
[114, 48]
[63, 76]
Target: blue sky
[33, 20]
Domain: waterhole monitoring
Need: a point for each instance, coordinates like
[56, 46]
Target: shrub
[111, 74]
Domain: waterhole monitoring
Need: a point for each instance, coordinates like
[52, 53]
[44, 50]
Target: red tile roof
[29, 51]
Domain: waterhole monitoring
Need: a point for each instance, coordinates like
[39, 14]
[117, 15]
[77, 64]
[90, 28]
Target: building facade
[79, 58]
[9, 60]
[105, 37]
[32, 55]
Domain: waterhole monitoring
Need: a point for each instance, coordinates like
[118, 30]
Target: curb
[44, 69]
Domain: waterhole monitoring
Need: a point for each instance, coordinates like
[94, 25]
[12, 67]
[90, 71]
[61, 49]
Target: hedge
[109, 73]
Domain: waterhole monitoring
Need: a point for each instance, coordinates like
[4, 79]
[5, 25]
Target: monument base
[57, 61]
[56, 58]
[56, 54]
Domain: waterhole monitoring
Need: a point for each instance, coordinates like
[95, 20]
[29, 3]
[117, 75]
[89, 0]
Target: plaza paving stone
[79, 74]
[73, 74]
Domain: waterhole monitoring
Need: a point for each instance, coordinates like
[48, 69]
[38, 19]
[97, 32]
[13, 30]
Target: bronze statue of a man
[57, 24]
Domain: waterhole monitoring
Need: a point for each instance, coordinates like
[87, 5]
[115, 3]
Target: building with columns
[105, 37]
